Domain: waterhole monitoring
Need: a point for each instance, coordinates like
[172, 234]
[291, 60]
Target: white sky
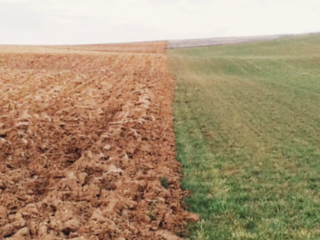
[105, 21]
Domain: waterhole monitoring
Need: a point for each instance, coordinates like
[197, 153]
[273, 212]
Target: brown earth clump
[87, 147]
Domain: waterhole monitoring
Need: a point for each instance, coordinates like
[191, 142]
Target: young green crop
[247, 122]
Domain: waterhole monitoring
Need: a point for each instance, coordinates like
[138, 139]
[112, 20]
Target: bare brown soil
[143, 47]
[87, 147]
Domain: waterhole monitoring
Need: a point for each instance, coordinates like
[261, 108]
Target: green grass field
[247, 122]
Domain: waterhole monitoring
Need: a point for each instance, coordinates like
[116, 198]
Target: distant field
[205, 42]
[218, 41]
[247, 122]
[141, 47]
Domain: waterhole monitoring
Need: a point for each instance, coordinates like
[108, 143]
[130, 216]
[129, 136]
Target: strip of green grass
[247, 122]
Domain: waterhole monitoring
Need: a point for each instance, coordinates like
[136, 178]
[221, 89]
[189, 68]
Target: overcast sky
[106, 21]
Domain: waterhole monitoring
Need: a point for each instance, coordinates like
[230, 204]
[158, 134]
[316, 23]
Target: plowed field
[87, 146]
[149, 47]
